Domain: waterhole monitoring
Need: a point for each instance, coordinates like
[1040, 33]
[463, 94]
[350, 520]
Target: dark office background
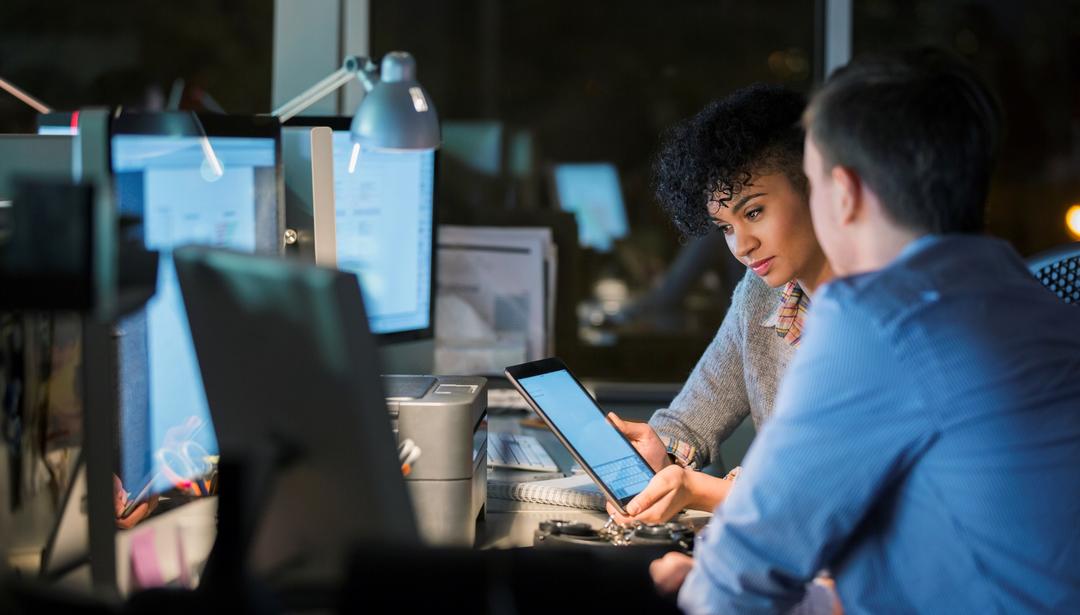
[581, 81]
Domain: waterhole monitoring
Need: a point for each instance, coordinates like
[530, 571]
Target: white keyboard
[507, 399]
[518, 451]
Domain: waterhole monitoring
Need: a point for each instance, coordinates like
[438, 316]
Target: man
[925, 447]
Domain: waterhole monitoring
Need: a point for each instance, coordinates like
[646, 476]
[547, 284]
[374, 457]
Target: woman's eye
[753, 213]
[725, 229]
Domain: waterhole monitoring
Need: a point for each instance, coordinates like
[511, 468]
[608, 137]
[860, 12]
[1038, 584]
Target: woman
[734, 168]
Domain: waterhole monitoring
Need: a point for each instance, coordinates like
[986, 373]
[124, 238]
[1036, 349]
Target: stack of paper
[495, 304]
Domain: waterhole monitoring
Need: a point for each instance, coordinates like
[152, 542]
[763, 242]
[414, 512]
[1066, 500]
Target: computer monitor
[30, 157]
[384, 230]
[45, 242]
[291, 372]
[33, 157]
[477, 144]
[591, 191]
[191, 179]
[64, 123]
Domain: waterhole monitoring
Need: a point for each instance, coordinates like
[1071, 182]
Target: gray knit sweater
[738, 374]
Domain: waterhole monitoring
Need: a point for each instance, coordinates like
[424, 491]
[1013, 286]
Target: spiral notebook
[576, 491]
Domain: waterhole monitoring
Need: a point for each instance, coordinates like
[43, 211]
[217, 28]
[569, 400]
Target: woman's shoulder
[754, 298]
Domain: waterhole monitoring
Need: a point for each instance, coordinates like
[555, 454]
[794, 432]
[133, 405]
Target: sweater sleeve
[713, 401]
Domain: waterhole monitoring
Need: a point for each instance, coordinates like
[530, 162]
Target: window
[72, 54]
[1030, 53]
[593, 82]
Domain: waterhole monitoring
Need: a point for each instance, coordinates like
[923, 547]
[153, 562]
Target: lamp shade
[397, 113]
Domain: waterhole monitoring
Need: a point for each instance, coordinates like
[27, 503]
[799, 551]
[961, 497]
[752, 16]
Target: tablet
[575, 418]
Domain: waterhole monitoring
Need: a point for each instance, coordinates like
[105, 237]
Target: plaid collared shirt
[792, 313]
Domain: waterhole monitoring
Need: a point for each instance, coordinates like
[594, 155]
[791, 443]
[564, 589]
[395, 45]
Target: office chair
[1059, 270]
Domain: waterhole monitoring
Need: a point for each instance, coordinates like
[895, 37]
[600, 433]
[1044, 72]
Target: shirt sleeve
[713, 401]
[683, 453]
[847, 424]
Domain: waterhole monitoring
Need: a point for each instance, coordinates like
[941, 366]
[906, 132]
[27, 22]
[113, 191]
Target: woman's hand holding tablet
[579, 423]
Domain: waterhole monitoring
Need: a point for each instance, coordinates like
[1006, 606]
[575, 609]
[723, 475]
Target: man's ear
[847, 195]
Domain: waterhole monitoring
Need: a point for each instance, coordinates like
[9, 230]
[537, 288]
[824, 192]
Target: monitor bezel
[344, 123]
[56, 120]
[214, 125]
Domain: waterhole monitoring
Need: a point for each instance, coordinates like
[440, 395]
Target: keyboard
[623, 475]
[518, 451]
[506, 399]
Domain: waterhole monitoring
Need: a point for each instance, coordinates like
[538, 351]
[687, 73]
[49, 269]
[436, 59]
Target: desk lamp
[19, 93]
[396, 112]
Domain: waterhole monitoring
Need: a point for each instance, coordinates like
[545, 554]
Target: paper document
[496, 298]
[577, 491]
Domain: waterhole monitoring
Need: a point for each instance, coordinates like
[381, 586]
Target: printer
[444, 416]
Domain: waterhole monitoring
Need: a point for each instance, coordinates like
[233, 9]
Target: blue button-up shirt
[925, 448]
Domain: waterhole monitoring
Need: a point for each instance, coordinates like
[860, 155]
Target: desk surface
[507, 529]
[499, 529]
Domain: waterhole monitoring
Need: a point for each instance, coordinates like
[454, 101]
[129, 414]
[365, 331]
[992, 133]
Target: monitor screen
[384, 223]
[581, 422]
[220, 190]
[476, 144]
[591, 192]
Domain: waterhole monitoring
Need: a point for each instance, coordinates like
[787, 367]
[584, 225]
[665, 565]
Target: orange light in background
[1072, 220]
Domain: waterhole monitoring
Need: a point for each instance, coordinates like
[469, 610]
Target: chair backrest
[1059, 270]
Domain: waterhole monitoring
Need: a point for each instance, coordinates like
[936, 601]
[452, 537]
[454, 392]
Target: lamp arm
[358, 67]
[15, 91]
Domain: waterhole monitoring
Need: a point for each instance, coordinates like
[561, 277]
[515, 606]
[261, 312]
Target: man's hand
[669, 572]
[671, 490]
[645, 440]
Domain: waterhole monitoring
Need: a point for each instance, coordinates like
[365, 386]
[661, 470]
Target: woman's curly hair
[710, 157]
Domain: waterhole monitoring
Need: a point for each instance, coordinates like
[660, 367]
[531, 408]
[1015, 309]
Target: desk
[28, 531]
[178, 538]
[515, 528]
[195, 522]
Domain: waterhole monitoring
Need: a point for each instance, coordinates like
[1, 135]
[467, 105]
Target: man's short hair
[711, 156]
[920, 129]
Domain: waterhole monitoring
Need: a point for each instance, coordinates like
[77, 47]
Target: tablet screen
[584, 426]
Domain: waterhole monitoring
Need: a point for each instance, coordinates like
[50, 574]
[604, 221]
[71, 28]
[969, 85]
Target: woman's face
[767, 227]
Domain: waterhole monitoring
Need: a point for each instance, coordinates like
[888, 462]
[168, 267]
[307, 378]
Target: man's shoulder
[880, 296]
[961, 268]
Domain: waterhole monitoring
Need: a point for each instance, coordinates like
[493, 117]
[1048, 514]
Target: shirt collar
[773, 319]
[917, 245]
